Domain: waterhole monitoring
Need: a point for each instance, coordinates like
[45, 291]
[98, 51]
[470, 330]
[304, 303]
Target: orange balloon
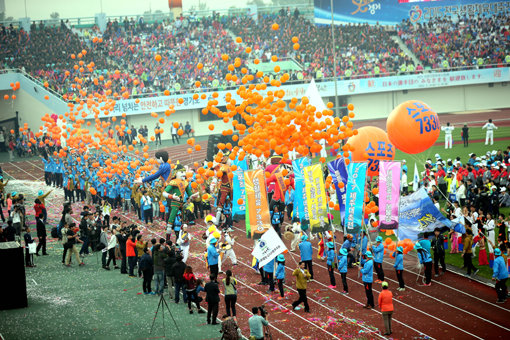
[375, 143]
[413, 127]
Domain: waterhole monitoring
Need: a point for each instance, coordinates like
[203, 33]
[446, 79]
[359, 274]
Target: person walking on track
[378, 259]
[500, 275]
[302, 276]
[385, 303]
[367, 278]
[331, 264]
[399, 267]
[426, 260]
[342, 268]
[306, 250]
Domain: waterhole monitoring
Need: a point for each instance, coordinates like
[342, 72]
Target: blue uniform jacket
[367, 271]
[378, 253]
[306, 251]
[280, 271]
[342, 264]
[269, 267]
[212, 255]
[399, 261]
[331, 257]
[499, 270]
[424, 256]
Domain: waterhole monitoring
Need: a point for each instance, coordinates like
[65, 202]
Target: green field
[89, 302]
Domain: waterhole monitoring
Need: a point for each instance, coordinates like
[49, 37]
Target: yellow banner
[316, 198]
[259, 220]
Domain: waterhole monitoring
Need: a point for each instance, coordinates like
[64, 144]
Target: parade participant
[276, 219]
[364, 246]
[378, 250]
[426, 260]
[385, 302]
[280, 272]
[331, 261]
[296, 231]
[302, 276]
[177, 224]
[212, 257]
[306, 252]
[269, 271]
[41, 196]
[224, 184]
[439, 253]
[489, 135]
[399, 267]
[229, 247]
[367, 278]
[447, 135]
[349, 245]
[467, 253]
[184, 242]
[500, 275]
[342, 268]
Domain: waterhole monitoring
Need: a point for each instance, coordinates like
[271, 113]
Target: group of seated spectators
[125, 53]
[471, 41]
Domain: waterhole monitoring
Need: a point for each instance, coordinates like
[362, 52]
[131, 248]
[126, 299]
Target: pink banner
[389, 194]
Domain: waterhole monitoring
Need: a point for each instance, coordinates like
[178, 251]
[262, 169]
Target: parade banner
[419, 215]
[357, 175]
[238, 210]
[259, 220]
[269, 247]
[389, 194]
[338, 173]
[316, 198]
[300, 209]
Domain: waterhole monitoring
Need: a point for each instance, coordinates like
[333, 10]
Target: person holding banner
[212, 257]
[367, 278]
[378, 259]
[269, 273]
[280, 272]
[342, 268]
[306, 251]
[399, 267]
[349, 245]
[426, 260]
[439, 253]
[330, 253]
[302, 276]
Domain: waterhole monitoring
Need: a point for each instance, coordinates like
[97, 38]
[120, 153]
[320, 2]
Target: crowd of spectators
[446, 43]
[125, 53]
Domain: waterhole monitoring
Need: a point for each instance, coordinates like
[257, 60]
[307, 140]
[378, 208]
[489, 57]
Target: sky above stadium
[41, 9]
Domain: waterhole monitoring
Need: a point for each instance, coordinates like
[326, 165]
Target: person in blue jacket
[306, 251]
[330, 254]
[276, 220]
[367, 278]
[212, 257]
[280, 272]
[500, 275]
[342, 268]
[399, 267]
[378, 250]
[268, 271]
[426, 260]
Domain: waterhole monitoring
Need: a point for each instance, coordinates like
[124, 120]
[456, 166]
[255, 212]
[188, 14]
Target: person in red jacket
[385, 302]
[131, 255]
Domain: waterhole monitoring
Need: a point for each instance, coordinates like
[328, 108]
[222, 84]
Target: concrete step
[406, 50]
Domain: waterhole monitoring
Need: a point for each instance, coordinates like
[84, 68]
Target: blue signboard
[392, 12]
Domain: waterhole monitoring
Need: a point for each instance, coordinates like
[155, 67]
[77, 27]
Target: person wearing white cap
[448, 140]
[504, 198]
[489, 135]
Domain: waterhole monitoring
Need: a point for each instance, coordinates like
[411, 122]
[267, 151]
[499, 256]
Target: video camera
[262, 311]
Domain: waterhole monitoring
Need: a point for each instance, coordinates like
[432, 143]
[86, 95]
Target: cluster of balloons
[391, 245]
[14, 87]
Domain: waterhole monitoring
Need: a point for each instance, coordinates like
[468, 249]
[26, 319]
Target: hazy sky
[41, 9]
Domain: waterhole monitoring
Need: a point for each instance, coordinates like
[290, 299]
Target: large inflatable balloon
[413, 127]
[371, 145]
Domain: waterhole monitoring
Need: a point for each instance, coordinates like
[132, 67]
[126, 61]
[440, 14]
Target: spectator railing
[35, 80]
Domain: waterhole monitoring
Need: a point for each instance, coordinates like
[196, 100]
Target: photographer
[257, 323]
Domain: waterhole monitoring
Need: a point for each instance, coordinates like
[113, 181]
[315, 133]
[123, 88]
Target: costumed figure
[228, 246]
[183, 242]
[295, 235]
[225, 185]
[275, 183]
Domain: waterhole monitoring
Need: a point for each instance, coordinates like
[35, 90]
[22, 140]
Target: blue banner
[338, 173]
[357, 177]
[238, 210]
[300, 210]
[419, 215]
[392, 12]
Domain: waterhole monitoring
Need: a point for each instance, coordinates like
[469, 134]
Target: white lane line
[23, 170]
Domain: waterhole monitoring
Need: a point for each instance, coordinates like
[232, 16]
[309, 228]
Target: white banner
[269, 247]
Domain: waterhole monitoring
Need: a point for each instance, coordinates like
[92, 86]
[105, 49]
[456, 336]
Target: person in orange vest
[385, 302]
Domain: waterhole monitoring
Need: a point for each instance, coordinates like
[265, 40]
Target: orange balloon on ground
[371, 145]
[413, 127]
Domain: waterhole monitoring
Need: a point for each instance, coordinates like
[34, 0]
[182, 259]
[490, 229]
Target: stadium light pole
[334, 59]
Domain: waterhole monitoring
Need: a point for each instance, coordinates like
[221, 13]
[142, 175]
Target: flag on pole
[357, 174]
[239, 210]
[316, 198]
[338, 173]
[389, 194]
[269, 247]
[300, 208]
[259, 220]
[416, 178]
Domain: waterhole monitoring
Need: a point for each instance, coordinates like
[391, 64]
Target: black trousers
[428, 272]
[262, 276]
[501, 289]
[230, 304]
[42, 244]
[379, 270]
[111, 256]
[468, 263]
[123, 264]
[308, 265]
[103, 258]
[369, 294]
[439, 258]
[132, 263]
[331, 272]
[213, 269]
[212, 312]
[147, 279]
[280, 287]
[270, 280]
[400, 277]
[192, 297]
[303, 299]
[344, 281]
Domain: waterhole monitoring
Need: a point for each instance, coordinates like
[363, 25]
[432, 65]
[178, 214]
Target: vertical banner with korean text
[357, 175]
[389, 194]
[316, 198]
[300, 208]
[256, 197]
[238, 210]
[338, 173]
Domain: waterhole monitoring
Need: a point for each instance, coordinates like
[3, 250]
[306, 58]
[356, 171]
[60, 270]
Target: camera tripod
[162, 302]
